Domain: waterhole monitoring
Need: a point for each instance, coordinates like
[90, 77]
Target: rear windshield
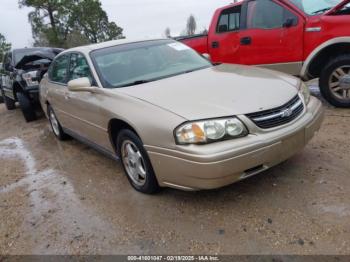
[137, 63]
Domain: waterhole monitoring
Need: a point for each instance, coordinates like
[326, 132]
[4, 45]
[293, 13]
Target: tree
[204, 31]
[63, 23]
[4, 47]
[92, 21]
[49, 20]
[191, 25]
[167, 32]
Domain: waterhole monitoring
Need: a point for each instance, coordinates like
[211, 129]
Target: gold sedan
[173, 118]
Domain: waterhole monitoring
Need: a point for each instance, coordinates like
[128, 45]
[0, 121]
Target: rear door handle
[215, 44]
[246, 40]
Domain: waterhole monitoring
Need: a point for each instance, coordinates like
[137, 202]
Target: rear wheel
[27, 107]
[9, 103]
[136, 163]
[55, 125]
[335, 81]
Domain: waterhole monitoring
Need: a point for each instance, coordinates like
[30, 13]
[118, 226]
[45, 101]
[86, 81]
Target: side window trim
[228, 20]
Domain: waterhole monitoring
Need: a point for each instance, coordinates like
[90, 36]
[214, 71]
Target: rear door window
[229, 20]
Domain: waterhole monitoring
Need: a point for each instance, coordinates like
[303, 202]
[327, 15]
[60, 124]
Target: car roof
[89, 48]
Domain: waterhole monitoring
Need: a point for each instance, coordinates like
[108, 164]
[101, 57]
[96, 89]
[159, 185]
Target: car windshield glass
[315, 7]
[142, 62]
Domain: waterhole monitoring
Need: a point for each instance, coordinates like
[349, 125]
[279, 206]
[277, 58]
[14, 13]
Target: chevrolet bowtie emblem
[286, 113]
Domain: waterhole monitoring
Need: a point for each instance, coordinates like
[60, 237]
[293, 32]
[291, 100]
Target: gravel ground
[65, 198]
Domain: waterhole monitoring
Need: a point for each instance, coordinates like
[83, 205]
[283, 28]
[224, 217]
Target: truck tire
[335, 81]
[9, 103]
[26, 106]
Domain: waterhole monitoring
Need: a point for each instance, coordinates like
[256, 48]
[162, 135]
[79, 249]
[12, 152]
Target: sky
[138, 18]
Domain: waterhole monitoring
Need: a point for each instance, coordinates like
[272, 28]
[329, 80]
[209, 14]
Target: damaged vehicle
[22, 71]
[175, 119]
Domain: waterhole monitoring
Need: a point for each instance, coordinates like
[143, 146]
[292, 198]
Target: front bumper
[33, 93]
[216, 165]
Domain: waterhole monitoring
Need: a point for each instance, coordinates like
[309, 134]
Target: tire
[335, 94]
[144, 180]
[1, 97]
[9, 103]
[55, 125]
[27, 107]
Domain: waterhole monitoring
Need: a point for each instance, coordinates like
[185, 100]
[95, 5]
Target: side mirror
[288, 23]
[206, 56]
[223, 28]
[80, 85]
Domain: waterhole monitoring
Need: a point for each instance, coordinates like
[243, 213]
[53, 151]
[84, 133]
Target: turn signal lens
[305, 92]
[190, 134]
[202, 132]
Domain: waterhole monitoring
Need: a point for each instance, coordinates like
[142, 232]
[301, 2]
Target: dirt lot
[65, 198]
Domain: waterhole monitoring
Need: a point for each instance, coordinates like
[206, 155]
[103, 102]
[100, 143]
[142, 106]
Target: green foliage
[93, 22]
[4, 47]
[68, 23]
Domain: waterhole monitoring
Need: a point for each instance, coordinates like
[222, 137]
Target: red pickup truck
[306, 38]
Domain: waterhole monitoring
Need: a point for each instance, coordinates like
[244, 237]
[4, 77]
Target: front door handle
[246, 40]
[215, 44]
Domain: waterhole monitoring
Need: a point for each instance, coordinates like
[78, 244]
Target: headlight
[30, 78]
[305, 92]
[208, 131]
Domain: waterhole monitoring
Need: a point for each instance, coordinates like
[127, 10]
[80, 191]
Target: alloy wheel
[339, 83]
[54, 123]
[134, 163]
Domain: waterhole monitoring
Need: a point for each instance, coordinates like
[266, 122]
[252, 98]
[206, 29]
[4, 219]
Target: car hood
[223, 90]
[38, 55]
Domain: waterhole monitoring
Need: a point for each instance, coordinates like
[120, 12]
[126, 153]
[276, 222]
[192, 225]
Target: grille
[278, 116]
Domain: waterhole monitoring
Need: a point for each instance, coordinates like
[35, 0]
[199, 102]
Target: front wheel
[27, 107]
[335, 81]
[136, 163]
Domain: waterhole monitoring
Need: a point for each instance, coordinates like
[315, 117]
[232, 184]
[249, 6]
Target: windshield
[315, 7]
[137, 63]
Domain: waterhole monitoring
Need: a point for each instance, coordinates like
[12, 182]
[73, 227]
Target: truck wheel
[1, 98]
[9, 103]
[26, 106]
[335, 81]
[136, 163]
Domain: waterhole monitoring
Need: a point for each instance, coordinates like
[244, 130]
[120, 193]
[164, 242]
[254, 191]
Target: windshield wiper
[137, 82]
[321, 10]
